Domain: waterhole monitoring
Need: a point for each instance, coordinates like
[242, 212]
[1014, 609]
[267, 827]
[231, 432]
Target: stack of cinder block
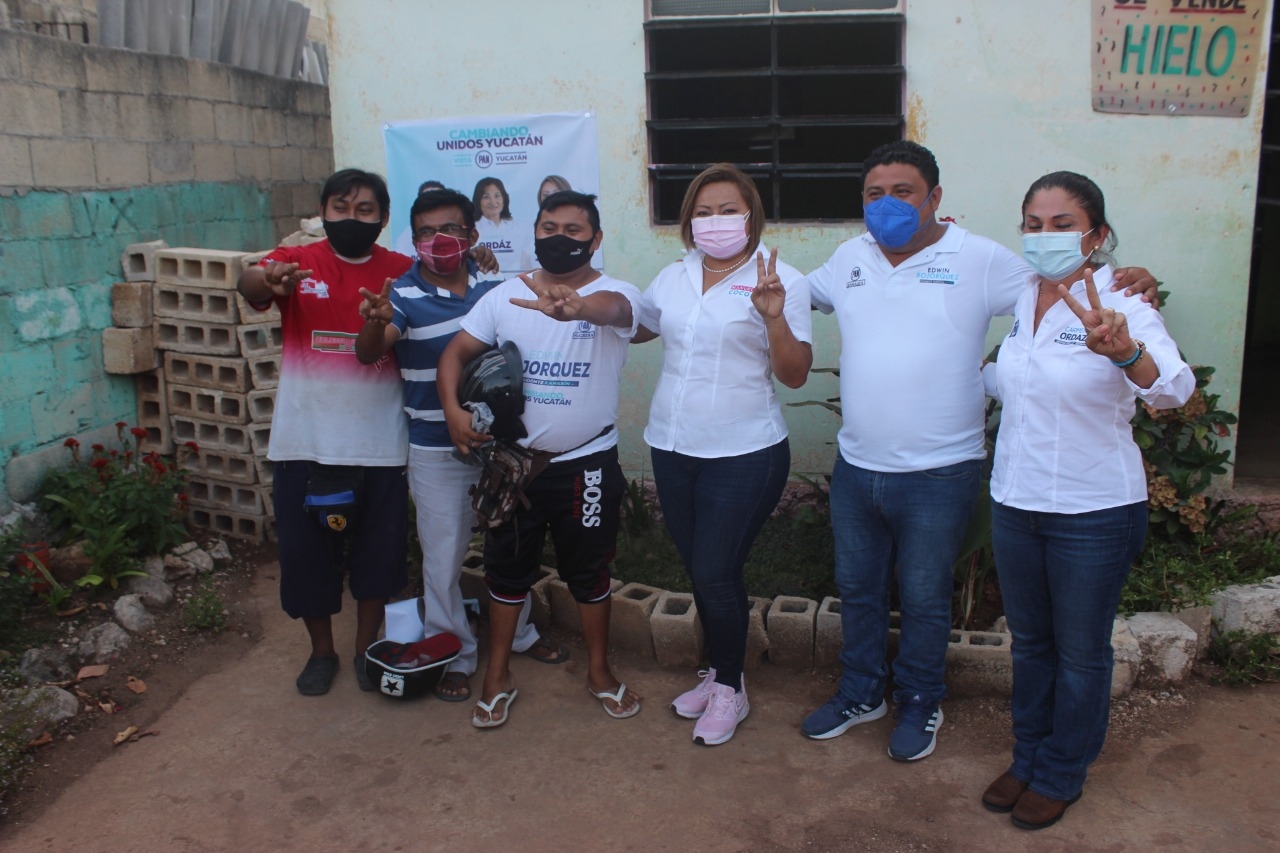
[207, 366]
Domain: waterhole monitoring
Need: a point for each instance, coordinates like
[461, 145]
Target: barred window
[796, 100]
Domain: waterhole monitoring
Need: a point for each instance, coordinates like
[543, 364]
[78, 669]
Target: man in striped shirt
[419, 314]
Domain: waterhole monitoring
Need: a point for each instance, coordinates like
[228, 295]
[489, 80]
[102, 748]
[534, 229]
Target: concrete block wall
[101, 149]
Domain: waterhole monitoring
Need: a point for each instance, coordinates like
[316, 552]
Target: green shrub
[1246, 660]
[205, 610]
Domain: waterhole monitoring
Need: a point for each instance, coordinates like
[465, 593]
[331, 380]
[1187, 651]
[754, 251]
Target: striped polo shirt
[428, 317]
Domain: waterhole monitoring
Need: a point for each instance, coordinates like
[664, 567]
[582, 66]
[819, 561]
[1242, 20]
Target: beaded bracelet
[1133, 359]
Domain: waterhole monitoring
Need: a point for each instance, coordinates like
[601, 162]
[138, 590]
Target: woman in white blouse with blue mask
[731, 319]
[1068, 489]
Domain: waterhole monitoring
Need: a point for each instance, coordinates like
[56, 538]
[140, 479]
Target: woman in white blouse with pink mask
[731, 317]
[1068, 488]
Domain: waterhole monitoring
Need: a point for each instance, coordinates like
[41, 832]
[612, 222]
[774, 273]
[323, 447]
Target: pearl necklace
[745, 258]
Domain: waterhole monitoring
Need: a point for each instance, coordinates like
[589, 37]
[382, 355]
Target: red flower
[138, 432]
[98, 462]
[121, 424]
[192, 445]
[72, 443]
[98, 448]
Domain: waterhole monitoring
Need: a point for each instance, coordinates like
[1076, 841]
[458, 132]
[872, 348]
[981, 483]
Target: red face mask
[442, 254]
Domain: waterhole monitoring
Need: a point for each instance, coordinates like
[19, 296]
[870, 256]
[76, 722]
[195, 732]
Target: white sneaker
[692, 703]
[726, 708]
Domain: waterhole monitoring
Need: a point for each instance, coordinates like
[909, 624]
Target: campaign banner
[504, 164]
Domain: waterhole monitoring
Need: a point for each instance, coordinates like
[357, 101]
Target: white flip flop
[489, 706]
[617, 698]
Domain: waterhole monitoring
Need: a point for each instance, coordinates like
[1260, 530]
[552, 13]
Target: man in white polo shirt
[913, 298]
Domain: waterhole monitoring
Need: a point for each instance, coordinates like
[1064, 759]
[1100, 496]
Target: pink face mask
[721, 237]
[442, 254]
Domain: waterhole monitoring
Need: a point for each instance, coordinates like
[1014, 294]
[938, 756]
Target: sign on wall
[1176, 57]
[505, 164]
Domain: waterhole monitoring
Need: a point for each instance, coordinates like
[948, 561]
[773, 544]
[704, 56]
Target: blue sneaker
[838, 716]
[916, 734]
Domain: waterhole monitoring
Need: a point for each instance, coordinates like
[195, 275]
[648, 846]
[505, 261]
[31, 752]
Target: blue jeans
[915, 522]
[713, 509]
[1060, 577]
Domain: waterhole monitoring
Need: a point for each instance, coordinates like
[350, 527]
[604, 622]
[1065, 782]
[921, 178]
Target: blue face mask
[1053, 254]
[892, 221]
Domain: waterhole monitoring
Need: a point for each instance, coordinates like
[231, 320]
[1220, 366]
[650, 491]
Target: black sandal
[559, 654]
[317, 676]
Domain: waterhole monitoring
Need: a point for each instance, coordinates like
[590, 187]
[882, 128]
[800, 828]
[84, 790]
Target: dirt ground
[242, 762]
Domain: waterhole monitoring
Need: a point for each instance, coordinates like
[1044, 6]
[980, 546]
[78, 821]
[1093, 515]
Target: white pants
[439, 485]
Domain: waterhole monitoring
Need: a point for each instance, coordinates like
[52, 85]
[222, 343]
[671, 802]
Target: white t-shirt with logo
[571, 369]
[715, 396]
[1066, 442]
[911, 345]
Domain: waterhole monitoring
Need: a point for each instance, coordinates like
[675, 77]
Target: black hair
[907, 152]
[1088, 195]
[479, 191]
[435, 199]
[431, 184]
[344, 182]
[572, 198]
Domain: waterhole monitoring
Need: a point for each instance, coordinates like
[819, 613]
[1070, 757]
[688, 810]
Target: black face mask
[351, 238]
[560, 254]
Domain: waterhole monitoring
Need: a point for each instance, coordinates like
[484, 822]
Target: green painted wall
[59, 255]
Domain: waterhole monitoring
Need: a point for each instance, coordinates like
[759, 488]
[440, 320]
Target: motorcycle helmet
[495, 379]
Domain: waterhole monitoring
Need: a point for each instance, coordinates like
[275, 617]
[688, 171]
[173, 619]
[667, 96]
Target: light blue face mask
[892, 221]
[1053, 254]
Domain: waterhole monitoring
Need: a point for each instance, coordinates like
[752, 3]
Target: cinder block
[214, 436]
[629, 618]
[979, 663]
[265, 469]
[63, 163]
[828, 636]
[207, 371]
[1168, 648]
[127, 351]
[208, 404]
[1252, 608]
[262, 405]
[757, 635]
[232, 497]
[1200, 620]
[251, 528]
[131, 305]
[1127, 656]
[121, 164]
[259, 438]
[194, 337]
[268, 502]
[203, 304]
[677, 631]
[214, 268]
[250, 315]
[259, 339]
[540, 600]
[791, 622]
[238, 468]
[264, 371]
[153, 412]
[564, 608]
[139, 260]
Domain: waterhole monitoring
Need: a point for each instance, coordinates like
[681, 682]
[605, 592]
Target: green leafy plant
[1181, 456]
[205, 610]
[638, 517]
[1176, 576]
[1246, 659]
[124, 505]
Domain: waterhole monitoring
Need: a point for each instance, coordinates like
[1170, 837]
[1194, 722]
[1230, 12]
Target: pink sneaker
[692, 703]
[725, 710]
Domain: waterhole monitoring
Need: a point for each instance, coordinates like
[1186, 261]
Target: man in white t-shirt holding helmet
[572, 325]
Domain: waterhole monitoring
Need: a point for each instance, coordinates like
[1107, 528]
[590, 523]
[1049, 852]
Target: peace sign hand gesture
[557, 301]
[769, 297]
[376, 308]
[1107, 329]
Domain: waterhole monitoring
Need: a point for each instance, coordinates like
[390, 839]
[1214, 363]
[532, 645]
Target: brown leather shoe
[1002, 794]
[1036, 811]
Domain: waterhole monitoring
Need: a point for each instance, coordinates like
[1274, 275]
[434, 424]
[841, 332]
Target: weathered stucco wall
[103, 148]
[999, 91]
